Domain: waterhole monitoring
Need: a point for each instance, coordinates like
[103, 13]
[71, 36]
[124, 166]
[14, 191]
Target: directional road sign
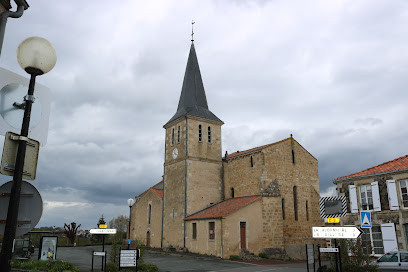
[336, 232]
[103, 231]
[365, 218]
[329, 249]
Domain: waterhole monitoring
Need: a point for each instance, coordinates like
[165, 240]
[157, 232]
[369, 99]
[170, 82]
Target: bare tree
[120, 223]
[71, 231]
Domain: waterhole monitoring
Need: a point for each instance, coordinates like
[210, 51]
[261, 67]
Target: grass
[49, 266]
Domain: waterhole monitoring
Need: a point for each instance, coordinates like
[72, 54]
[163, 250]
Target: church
[261, 200]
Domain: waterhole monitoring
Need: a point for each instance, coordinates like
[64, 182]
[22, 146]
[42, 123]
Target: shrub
[234, 257]
[263, 255]
[50, 266]
[112, 267]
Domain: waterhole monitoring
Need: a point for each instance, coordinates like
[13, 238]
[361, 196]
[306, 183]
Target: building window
[366, 197]
[374, 238]
[211, 230]
[194, 231]
[307, 212]
[252, 161]
[150, 213]
[295, 206]
[283, 208]
[232, 193]
[178, 134]
[404, 192]
[172, 136]
[293, 156]
[209, 134]
[200, 133]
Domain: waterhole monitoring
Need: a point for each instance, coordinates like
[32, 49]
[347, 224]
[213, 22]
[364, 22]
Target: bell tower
[193, 160]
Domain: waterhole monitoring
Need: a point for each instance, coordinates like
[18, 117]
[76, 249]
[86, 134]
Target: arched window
[200, 133]
[209, 134]
[232, 192]
[178, 134]
[150, 213]
[295, 206]
[172, 136]
[252, 161]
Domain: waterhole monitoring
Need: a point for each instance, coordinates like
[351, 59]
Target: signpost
[365, 220]
[336, 232]
[129, 257]
[102, 230]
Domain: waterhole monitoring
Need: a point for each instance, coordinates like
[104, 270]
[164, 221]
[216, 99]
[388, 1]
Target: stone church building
[265, 199]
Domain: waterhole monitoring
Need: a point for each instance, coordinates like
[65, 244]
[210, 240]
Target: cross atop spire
[192, 30]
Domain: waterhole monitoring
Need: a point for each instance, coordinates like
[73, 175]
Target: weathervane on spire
[192, 30]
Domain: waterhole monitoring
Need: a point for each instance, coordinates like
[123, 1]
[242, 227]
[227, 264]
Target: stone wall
[202, 244]
[140, 219]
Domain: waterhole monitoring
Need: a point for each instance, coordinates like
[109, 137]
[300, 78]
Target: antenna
[192, 30]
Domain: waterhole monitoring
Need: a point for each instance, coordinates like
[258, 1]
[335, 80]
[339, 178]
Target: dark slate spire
[192, 99]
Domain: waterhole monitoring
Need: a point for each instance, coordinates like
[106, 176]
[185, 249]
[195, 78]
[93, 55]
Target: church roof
[192, 99]
[224, 208]
[396, 165]
[157, 189]
[158, 192]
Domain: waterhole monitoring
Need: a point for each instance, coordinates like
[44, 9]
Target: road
[82, 258]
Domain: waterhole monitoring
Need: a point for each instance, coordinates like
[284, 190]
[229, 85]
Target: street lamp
[130, 204]
[36, 56]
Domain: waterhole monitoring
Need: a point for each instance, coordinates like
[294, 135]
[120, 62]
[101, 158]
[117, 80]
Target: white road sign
[99, 253]
[336, 232]
[329, 249]
[128, 258]
[103, 231]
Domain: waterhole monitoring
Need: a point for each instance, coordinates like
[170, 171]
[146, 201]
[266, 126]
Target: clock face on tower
[175, 153]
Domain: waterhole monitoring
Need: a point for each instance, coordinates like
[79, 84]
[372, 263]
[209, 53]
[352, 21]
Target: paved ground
[168, 262]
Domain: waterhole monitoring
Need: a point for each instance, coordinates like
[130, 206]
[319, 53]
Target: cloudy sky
[333, 73]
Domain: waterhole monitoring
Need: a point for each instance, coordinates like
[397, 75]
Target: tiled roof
[400, 163]
[248, 151]
[224, 208]
[158, 192]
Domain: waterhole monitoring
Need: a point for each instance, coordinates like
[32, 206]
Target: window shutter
[389, 237]
[392, 194]
[376, 196]
[353, 198]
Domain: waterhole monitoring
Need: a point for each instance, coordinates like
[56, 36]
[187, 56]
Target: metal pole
[318, 252]
[314, 262]
[341, 267]
[307, 259]
[14, 202]
[130, 214]
[92, 260]
[366, 240]
[103, 247]
[3, 21]
[335, 245]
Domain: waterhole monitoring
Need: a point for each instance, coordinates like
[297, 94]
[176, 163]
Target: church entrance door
[242, 229]
[148, 239]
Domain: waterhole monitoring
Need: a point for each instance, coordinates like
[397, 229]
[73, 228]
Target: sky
[332, 73]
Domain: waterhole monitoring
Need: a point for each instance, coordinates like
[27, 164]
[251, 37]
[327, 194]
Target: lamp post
[36, 56]
[130, 204]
